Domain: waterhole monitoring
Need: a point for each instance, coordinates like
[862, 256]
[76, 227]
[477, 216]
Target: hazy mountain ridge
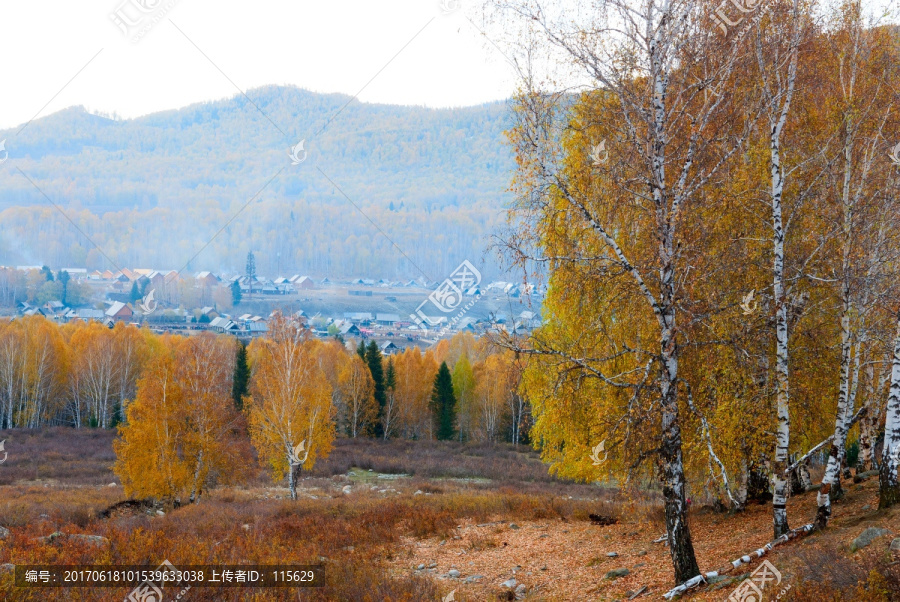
[447, 169]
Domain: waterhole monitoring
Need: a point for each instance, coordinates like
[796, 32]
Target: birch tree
[291, 416]
[619, 187]
[867, 243]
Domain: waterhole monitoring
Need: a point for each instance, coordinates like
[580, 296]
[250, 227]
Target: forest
[719, 217]
[155, 190]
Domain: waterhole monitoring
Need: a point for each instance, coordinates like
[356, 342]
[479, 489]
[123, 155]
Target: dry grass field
[411, 521]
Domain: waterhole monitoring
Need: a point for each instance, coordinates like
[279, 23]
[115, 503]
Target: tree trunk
[831, 482]
[292, 479]
[681, 548]
[782, 398]
[889, 489]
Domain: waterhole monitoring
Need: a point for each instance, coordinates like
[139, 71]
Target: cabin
[303, 282]
[119, 311]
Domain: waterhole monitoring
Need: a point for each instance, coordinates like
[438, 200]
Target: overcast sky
[323, 45]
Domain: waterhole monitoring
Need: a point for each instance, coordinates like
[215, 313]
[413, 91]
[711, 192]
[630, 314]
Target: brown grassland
[488, 511]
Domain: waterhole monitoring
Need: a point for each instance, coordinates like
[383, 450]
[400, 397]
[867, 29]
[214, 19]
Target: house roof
[387, 317]
[115, 308]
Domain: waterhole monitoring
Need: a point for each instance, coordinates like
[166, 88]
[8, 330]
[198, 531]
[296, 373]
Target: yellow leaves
[291, 399]
[182, 426]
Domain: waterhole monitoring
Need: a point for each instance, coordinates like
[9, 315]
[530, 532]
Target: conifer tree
[241, 384]
[373, 359]
[443, 403]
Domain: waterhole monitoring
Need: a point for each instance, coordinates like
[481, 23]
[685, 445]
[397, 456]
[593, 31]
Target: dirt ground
[569, 560]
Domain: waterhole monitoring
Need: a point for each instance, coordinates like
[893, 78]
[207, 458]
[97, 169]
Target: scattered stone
[510, 583]
[895, 544]
[866, 507]
[639, 565]
[543, 568]
[867, 537]
[370, 470]
[520, 591]
[421, 567]
[612, 555]
[443, 541]
[45, 516]
[349, 548]
[453, 573]
[418, 492]
[245, 527]
[160, 513]
[457, 537]
[642, 553]
[513, 526]
[4, 532]
[111, 485]
[96, 540]
[433, 565]
[542, 536]
[347, 489]
[473, 578]
[616, 573]
[49, 538]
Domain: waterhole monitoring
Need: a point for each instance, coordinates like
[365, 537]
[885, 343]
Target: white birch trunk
[889, 490]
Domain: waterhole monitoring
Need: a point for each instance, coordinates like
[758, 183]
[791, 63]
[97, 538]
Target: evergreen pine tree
[63, 277]
[374, 360]
[135, 292]
[235, 293]
[361, 350]
[241, 382]
[443, 403]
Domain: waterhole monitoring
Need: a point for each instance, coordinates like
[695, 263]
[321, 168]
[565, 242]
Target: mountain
[154, 191]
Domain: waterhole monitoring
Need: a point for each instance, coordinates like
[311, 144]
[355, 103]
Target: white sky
[323, 45]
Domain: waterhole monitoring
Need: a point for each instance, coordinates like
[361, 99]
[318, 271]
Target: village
[236, 304]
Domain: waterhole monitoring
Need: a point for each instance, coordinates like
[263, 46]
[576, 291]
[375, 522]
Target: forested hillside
[153, 191]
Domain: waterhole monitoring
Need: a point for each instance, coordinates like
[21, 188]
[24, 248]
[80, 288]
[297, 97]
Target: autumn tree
[389, 416]
[358, 395]
[610, 191]
[415, 374]
[290, 410]
[463, 390]
[182, 432]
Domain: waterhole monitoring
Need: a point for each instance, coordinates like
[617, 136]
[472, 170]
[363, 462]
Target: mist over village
[456, 301]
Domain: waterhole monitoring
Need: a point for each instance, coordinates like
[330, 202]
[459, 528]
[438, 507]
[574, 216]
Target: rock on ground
[867, 537]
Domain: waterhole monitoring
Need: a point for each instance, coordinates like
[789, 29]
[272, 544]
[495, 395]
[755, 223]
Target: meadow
[409, 520]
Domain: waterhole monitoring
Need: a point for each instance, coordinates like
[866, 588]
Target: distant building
[387, 319]
[388, 348]
[207, 279]
[119, 311]
[303, 282]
